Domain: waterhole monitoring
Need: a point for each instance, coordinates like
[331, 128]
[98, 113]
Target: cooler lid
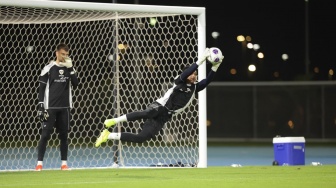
[288, 140]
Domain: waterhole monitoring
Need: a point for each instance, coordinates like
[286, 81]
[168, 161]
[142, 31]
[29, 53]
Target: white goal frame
[123, 11]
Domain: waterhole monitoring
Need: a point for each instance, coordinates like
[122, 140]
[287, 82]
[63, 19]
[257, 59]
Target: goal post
[125, 55]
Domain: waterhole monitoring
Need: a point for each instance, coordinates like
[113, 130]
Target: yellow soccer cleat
[102, 138]
[109, 123]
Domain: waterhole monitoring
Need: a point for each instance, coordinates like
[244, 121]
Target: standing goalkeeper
[55, 102]
[175, 100]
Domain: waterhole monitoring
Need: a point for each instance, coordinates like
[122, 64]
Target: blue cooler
[289, 150]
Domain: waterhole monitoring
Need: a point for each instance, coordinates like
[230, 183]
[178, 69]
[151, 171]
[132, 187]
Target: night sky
[278, 27]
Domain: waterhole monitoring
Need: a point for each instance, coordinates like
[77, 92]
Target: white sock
[120, 119]
[64, 163]
[39, 162]
[114, 136]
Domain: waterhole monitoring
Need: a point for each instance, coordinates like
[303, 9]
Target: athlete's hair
[186, 67]
[62, 46]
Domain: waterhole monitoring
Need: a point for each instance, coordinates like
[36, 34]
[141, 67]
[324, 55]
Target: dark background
[305, 30]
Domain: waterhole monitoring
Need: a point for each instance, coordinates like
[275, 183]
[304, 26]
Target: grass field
[246, 176]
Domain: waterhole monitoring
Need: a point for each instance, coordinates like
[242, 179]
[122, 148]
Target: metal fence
[257, 110]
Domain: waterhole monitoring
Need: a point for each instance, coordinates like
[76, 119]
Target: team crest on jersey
[61, 71]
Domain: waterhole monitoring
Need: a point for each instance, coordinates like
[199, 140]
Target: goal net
[126, 57]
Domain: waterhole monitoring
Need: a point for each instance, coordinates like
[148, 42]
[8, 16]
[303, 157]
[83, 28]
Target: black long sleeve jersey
[55, 86]
[180, 95]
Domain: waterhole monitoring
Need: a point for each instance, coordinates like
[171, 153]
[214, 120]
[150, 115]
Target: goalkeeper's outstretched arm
[191, 69]
[205, 82]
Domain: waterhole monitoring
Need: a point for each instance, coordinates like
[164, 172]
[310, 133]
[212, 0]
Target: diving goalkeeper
[174, 101]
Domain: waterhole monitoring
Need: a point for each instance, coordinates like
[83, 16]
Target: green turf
[212, 177]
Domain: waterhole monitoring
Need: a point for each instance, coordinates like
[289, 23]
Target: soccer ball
[215, 56]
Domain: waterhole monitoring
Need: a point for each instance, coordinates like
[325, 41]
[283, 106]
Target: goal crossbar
[97, 10]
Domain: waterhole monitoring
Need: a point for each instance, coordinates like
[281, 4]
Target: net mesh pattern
[9, 14]
[124, 63]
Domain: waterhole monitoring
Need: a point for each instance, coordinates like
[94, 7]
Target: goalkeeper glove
[67, 62]
[42, 113]
[206, 54]
[216, 66]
